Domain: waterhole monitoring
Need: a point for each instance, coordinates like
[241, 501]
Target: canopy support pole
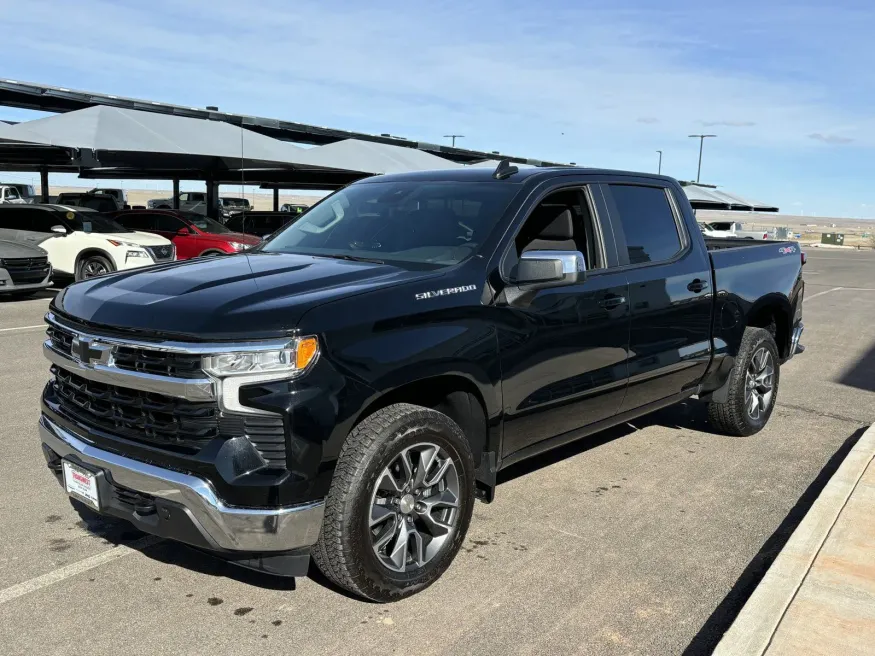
[212, 198]
[175, 194]
[44, 184]
[276, 200]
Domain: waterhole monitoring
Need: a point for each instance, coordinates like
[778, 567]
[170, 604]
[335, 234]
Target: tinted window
[167, 223]
[43, 221]
[431, 223]
[648, 223]
[207, 225]
[137, 221]
[89, 221]
[12, 218]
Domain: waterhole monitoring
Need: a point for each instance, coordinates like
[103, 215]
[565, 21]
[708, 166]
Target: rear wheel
[92, 267]
[753, 386]
[400, 503]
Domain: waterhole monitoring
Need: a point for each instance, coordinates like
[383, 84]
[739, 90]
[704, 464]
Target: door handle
[697, 286]
[610, 302]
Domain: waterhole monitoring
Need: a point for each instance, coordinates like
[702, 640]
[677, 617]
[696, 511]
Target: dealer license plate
[81, 484]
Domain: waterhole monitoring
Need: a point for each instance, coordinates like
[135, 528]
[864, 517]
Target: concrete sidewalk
[818, 597]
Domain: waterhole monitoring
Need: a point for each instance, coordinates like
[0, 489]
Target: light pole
[454, 137]
[701, 138]
[660, 162]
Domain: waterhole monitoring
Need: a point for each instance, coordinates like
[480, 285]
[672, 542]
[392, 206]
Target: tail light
[765, 235]
[804, 257]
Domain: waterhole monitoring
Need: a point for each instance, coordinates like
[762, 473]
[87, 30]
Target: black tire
[345, 552]
[88, 264]
[735, 417]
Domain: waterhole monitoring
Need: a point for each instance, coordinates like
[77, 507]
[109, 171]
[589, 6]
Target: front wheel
[400, 503]
[92, 267]
[753, 386]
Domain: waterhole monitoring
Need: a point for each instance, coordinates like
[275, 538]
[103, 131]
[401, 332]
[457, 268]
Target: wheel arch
[89, 252]
[774, 313]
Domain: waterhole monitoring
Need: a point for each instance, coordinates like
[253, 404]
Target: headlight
[237, 246]
[137, 254]
[290, 361]
[116, 242]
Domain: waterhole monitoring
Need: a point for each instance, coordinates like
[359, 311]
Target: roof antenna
[504, 170]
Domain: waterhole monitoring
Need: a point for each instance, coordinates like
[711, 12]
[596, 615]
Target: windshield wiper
[351, 258]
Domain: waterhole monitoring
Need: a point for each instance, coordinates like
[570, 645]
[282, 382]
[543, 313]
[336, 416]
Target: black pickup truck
[347, 389]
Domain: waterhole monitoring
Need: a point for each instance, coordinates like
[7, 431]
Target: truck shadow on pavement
[688, 415]
[861, 374]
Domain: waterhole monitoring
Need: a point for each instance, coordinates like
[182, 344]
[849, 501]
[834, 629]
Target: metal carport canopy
[376, 158]
[135, 139]
[708, 197]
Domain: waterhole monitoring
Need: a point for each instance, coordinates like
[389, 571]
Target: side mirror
[542, 269]
[183, 231]
[61, 230]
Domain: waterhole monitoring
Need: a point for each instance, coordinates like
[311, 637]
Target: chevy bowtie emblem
[89, 352]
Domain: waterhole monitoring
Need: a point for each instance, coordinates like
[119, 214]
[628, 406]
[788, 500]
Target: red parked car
[193, 234]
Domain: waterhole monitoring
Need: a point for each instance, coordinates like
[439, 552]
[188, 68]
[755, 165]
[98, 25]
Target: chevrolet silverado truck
[348, 388]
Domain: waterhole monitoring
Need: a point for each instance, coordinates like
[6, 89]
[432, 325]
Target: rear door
[669, 291]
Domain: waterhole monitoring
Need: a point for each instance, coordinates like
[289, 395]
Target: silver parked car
[24, 268]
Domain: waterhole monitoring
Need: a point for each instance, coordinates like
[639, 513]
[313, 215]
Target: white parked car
[9, 195]
[734, 230]
[82, 243]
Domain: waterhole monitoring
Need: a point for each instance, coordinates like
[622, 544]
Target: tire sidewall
[376, 580]
[762, 339]
[80, 270]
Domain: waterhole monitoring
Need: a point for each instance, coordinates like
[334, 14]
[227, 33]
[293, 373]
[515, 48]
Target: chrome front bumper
[228, 528]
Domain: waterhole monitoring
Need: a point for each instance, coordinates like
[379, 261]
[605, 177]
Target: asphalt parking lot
[642, 540]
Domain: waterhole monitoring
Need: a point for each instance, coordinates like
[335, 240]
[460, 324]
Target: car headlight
[292, 360]
[237, 246]
[234, 370]
[138, 254]
[129, 244]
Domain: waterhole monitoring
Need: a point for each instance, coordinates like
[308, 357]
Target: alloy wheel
[94, 268]
[414, 507]
[759, 383]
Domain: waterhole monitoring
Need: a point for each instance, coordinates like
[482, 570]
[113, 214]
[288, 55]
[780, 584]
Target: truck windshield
[425, 223]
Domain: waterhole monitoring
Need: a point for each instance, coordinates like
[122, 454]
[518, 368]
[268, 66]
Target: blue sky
[788, 87]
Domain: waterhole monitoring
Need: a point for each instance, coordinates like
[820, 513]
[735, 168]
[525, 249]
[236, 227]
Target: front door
[563, 359]
[563, 350]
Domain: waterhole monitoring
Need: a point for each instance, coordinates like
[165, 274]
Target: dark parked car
[348, 388]
[24, 269]
[193, 234]
[97, 202]
[261, 224]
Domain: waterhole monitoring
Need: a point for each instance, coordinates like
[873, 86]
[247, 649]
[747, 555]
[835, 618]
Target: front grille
[162, 363]
[162, 253]
[174, 424]
[62, 340]
[26, 270]
[135, 358]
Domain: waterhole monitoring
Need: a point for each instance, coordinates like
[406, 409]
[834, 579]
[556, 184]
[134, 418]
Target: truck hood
[243, 296]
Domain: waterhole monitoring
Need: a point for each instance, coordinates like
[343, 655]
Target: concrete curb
[752, 631]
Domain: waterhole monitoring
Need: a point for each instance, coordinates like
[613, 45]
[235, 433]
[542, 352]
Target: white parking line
[6, 330]
[835, 289]
[62, 573]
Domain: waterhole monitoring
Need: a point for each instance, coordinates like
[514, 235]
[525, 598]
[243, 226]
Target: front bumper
[8, 285]
[184, 507]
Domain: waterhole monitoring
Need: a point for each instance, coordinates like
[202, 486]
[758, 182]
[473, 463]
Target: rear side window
[648, 223]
